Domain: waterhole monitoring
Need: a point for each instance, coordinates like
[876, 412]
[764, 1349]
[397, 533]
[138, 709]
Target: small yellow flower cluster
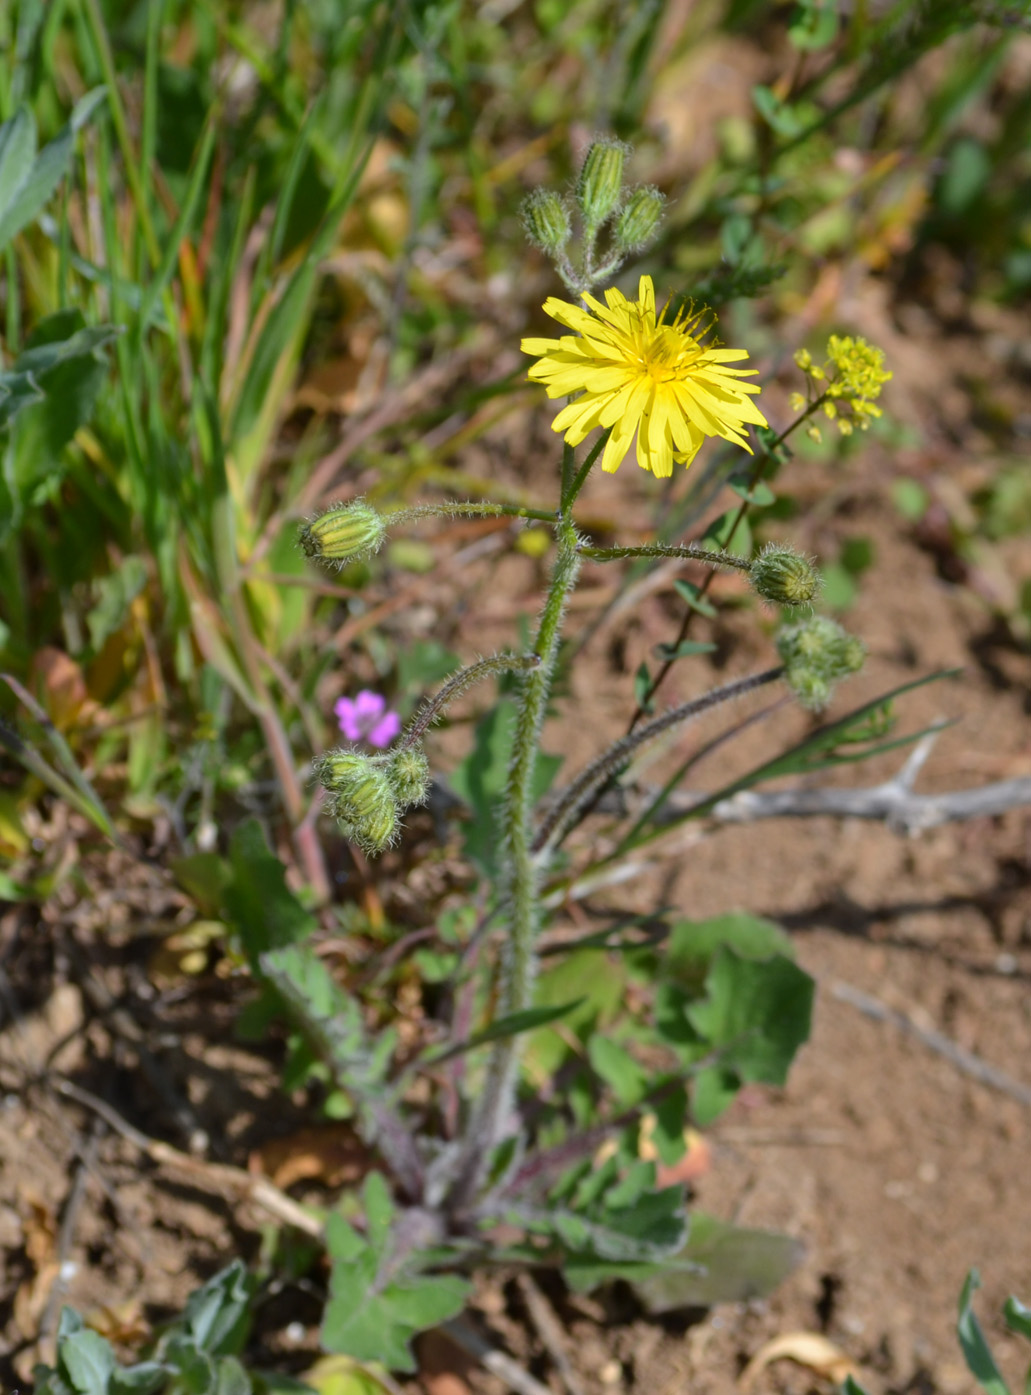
[854, 375]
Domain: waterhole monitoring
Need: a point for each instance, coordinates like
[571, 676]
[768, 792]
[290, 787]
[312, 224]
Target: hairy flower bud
[546, 220]
[639, 221]
[361, 798]
[409, 776]
[816, 654]
[600, 186]
[344, 533]
[783, 576]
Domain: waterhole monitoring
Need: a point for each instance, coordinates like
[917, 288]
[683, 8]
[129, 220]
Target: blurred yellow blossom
[638, 374]
[854, 374]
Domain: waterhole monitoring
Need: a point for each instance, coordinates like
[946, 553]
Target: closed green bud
[816, 654]
[812, 691]
[361, 798]
[600, 186]
[783, 576]
[639, 221]
[344, 533]
[409, 776]
[546, 220]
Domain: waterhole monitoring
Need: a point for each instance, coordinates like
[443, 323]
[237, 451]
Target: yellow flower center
[664, 352]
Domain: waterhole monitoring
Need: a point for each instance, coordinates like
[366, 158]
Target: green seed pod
[816, 654]
[361, 798]
[600, 186]
[409, 776]
[546, 220]
[344, 533]
[639, 221]
[783, 576]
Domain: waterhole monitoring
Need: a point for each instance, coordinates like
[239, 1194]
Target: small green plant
[198, 1352]
[976, 1351]
[566, 1180]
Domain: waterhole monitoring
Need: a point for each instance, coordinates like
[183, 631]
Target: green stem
[520, 891]
[758, 469]
[468, 509]
[686, 552]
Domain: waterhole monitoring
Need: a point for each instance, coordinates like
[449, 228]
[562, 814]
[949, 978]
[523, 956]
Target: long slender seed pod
[689, 552]
[469, 508]
[563, 816]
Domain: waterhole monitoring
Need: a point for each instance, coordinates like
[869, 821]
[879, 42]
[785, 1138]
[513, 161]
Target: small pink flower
[366, 718]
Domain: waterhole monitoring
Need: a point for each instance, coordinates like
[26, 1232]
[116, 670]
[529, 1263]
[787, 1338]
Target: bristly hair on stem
[573, 801]
[459, 683]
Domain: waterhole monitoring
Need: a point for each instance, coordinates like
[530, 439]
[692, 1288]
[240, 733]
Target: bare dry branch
[894, 802]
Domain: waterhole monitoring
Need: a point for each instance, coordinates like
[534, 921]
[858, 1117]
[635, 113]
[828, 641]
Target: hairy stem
[688, 552]
[521, 887]
[467, 509]
[577, 796]
[456, 685]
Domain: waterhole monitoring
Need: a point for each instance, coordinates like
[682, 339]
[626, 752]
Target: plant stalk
[520, 892]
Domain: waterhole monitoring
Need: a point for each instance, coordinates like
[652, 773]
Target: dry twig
[965, 1061]
[549, 1329]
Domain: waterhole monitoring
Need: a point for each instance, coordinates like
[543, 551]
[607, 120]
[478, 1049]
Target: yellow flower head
[854, 374]
[639, 374]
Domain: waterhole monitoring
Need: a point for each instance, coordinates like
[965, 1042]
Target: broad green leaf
[231, 1378]
[756, 1014]
[693, 944]
[26, 183]
[597, 983]
[142, 1379]
[720, 1263]
[60, 357]
[371, 1324]
[204, 876]
[978, 1356]
[628, 1079]
[88, 1359]
[195, 1370]
[263, 910]
[217, 1316]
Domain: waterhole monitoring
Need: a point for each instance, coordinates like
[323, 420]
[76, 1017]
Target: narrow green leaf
[89, 1361]
[17, 153]
[1018, 1317]
[976, 1351]
[686, 649]
[503, 1027]
[49, 168]
[170, 257]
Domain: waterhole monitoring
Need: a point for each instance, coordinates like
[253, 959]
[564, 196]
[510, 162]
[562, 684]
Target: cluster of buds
[600, 199]
[368, 794]
[343, 533]
[851, 377]
[783, 576]
[816, 654]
